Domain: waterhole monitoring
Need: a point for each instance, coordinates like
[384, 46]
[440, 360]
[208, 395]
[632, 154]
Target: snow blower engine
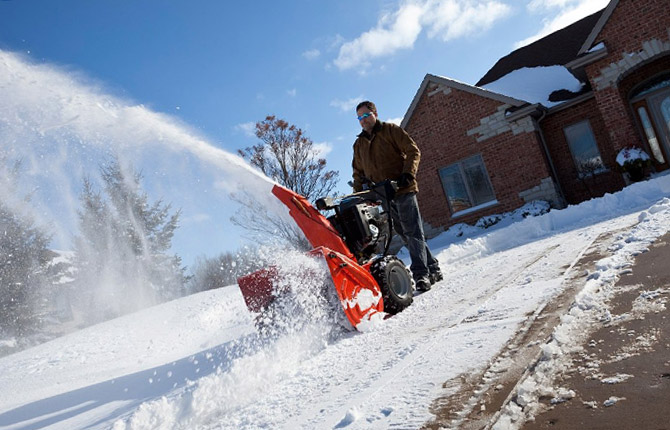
[354, 242]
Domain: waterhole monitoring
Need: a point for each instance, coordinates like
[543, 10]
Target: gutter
[537, 121]
[537, 113]
[588, 58]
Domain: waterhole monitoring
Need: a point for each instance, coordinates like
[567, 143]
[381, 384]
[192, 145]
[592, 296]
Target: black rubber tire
[395, 282]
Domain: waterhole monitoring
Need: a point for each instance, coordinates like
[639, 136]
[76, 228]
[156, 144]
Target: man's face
[368, 123]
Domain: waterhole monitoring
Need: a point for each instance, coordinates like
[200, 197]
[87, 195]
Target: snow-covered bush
[534, 208]
[634, 161]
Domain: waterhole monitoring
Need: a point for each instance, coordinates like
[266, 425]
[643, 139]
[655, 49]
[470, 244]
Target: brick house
[548, 120]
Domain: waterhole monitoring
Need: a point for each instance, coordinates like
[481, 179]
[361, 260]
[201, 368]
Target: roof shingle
[558, 48]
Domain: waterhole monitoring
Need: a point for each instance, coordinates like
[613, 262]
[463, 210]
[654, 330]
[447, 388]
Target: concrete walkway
[622, 377]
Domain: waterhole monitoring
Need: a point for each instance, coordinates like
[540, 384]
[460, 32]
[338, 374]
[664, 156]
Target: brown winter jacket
[385, 154]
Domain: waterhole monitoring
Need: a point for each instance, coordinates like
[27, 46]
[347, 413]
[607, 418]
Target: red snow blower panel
[317, 229]
[356, 277]
[257, 288]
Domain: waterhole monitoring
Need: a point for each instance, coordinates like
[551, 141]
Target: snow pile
[485, 225]
[535, 84]
[635, 197]
[630, 155]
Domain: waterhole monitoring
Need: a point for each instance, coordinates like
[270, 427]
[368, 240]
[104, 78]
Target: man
[385, 151]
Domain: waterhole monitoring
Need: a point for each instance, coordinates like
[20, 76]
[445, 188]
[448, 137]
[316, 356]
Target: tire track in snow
[425, 343]
[385, 378]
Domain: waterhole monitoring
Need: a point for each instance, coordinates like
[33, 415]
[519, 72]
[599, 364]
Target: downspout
[545, 148]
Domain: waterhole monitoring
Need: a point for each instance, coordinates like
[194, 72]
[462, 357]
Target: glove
[405, 180]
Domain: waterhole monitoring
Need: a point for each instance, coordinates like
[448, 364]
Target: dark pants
[407, 223]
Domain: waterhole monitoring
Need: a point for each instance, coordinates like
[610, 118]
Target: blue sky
[221, 66]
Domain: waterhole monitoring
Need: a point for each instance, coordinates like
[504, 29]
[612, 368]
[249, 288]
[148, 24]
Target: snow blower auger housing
[354, 243]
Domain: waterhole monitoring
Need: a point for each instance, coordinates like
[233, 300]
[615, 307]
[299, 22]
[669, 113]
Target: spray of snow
[305, 318]
[62, 127]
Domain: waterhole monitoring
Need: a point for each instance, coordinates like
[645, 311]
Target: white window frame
[466, 184]
[577, 162]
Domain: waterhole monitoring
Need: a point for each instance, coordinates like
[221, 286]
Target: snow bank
[635, 197]
[163, 337]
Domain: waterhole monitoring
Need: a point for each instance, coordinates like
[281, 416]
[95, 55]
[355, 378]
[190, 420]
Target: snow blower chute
[354, 243]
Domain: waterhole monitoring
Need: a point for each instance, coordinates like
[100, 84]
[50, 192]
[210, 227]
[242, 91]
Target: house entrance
[652, 109]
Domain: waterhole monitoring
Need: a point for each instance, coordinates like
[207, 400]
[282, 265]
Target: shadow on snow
[131, 390]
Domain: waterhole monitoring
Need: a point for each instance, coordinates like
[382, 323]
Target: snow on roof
[536, 84]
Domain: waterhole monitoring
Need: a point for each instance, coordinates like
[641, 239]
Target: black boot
[435, 276]
[423, 284]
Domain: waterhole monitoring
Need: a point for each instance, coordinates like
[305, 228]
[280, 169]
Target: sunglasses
[365, 115]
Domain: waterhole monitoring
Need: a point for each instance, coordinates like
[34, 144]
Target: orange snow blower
[354, 243]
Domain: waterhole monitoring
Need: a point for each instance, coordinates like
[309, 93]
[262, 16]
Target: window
[584, 149]
[467, 184]
[651, 103]
[651, 134]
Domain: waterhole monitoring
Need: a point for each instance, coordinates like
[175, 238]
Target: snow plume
[63, 127]
[305, 294]
[305, 319]
[398, 30]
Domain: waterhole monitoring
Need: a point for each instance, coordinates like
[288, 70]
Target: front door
[653, 112]
[660, 109]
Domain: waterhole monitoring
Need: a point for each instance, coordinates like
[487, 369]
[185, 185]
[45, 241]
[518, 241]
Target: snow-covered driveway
[197, 363]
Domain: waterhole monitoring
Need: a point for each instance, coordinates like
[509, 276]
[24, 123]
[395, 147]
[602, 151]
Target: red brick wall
[574, 189]
[439, 125]
[631, 23]
[515, 163]
[644, 73]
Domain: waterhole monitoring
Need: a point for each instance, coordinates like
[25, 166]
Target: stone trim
[439, 89]
[610, 75]
[496, 124]
[430, 80]
[546, 191]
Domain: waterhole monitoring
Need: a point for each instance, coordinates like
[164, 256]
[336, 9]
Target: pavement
[620, 377]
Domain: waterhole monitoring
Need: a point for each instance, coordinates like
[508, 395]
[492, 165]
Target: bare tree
[289, 157]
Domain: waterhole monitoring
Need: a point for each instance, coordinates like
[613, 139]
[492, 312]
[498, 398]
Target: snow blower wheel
[350, 242]
[395, 283]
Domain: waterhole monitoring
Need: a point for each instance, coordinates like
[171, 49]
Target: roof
[558, 48]
[452, 83]
[604, 17]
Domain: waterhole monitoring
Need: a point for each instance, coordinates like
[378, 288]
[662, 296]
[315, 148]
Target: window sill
[474, 209]
[601, 171]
